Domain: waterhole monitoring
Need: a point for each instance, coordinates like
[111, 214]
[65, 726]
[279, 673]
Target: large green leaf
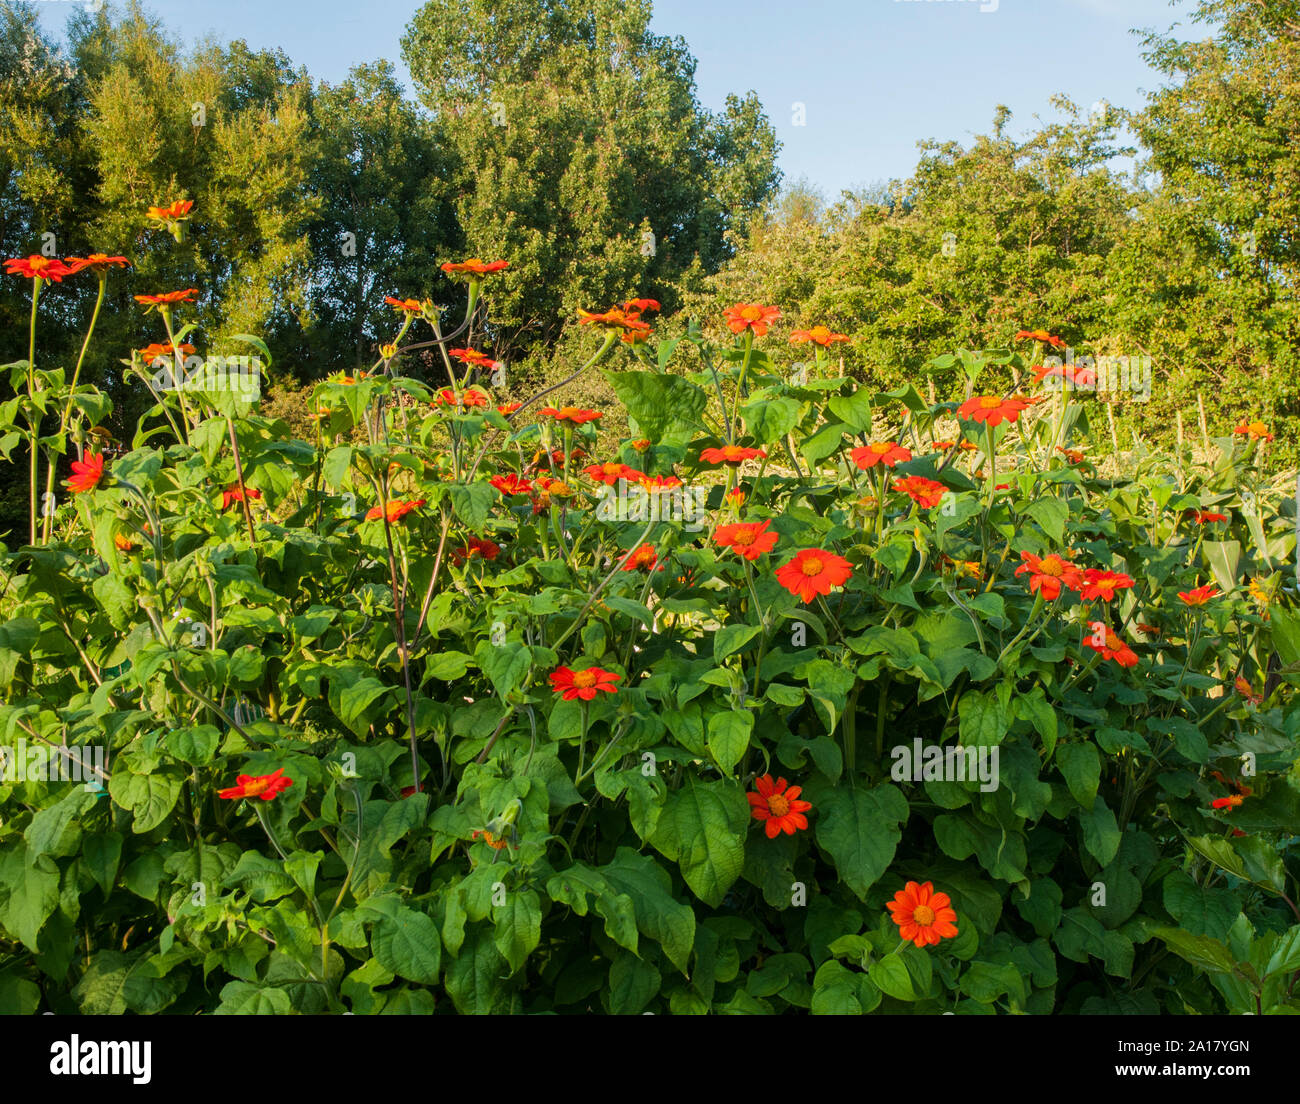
[859, 828]
[663, 406]
[702, 829]
[408, 944]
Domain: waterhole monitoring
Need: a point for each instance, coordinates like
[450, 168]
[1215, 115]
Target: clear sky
[873, 76]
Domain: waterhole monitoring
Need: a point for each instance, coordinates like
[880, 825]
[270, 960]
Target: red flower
[1075, 456]
[472, 356]
[1199, 596]
[100, 262]
[926, 493]
[1049, 573]
[813, 572]
[1040, 335]
[168, 298]
[1113, 648]
[574, 415]
[731, 454]
[1247, 691]
[992, 410]
[1073, 374]
[1257, 431]
[265, 786]
[234, 494]
[495, 842]
[778, 806]
[819, 335]
[397, 509]
[508, 408]
[404, 306]
[751, 315]
[583, 684]
[1203, 517]
[86, 474]
[470, 398]
[1103, 584]
[625, 322]
[640, 306]
[1230, 802]
[474, 268]
[644, 558]
[611, 472]
[923, 916]
[746, 538]
[476, 546]
[881, 452]
[37, 267]
[156, 350]
[174, 212]
[511, 484]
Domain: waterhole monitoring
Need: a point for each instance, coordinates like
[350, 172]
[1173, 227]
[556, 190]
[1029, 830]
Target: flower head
[470, 397]
[1247, 691]
[926, 493]
[173, 212]
[818, 335]
[167, 299]
[617, 319]
[1257, 431]
[583, 684]
[657, 483]
[1204, 517]
[752, 316]
[777, 804]
[611, 472]
[396, 510]
[731, 454]
[474, 268]
[813, 571]
[1111, 647]
[1072, 375]
[233, 493]
[511, 484]
[645, 558]
[1198, 596]
[923, 916]
[100, 262]
[265, 786]
[1102, 585]
[1047, 574]
[573, 415]
[992, 410]
[476, 546]
[37, 267]
[749, 539]
[472, 356]
[163, 350]
[1229, 802]
[1040, 335]
[86, 474]
[880, 452]
[404, 306]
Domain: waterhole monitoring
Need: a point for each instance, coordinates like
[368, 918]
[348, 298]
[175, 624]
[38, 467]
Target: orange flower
[735, 498]
[813, 571]
[778, 806]
[1075, 456]
[881, 452]
[1198, 596]
[471, 398]
[923, 916]
[397, 509]
[574, 415]
[611, 472]
[234, 494]
[1247, 691]
[992, 410]
[1102, 585]
[1257, 431]
[746, 538]
[965, 446]
[1143, 627]
[1040, 335]
[86, 474]
[926, 493]
[1072, 374]
[476, 546]
[37, 267]
[404, 306]
[156, 350]
[655, 483]
[474, 268]
[1204, 517]
[123, 543]
[174, 212]
[644, 558]
[583, 684]
[615, 319]
[511, 484]
[100, 262]
[731, 454]
[265, 786]
[495, 842]
[1229, 802]
[640, 306]
[1048, 573]
[751, 315]
[818, 335]
[1114, 648]
[167, 299]
[508, 408]
[472, 356]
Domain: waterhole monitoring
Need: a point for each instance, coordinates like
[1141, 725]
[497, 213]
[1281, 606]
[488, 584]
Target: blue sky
[874, 76]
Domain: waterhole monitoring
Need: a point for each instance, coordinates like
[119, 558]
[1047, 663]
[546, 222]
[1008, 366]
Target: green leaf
[853, 410]
[408, 944]
[518, 926]
[241, 998]
[859, 828]
[663, 405]
[1080, 765]
[983, 719]
[1051, 514]
[506, 665]
[1200, 911]
[632, 985]
[361, 704]
[473, 502]
[149, 797]
[731, 638]
[890, 974]
[769, 420]
[729, 733]
[1201, 951]
[702, 829]
[1101, 834]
